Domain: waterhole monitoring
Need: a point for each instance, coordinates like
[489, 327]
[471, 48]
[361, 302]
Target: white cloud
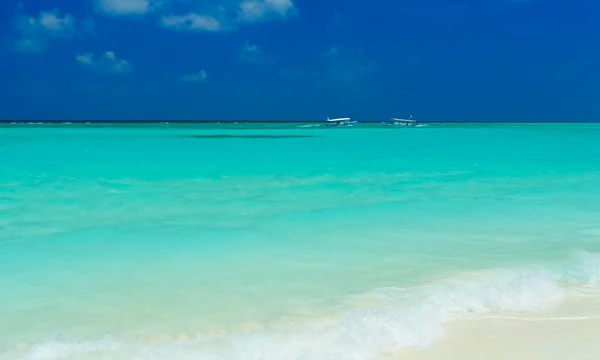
[200, 76]
[55, 24]
[259, 10]
[250, 52]
[33, 34]
[192, 22]
[123, 7]
[229, 17]
[107, 63]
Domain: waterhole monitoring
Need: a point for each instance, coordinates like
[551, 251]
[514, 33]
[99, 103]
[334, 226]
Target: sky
[438, 60]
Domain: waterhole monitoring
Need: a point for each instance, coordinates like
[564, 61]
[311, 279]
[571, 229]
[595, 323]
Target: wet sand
[570, 332]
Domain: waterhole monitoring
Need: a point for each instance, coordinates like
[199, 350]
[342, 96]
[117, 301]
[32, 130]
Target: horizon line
[32, 122]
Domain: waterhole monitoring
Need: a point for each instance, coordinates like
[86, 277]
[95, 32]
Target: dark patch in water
[248, 136]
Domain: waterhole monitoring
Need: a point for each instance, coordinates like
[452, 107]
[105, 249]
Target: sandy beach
[568, 332]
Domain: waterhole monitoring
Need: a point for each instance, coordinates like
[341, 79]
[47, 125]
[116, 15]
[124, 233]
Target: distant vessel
[346, 122]
[399, 122]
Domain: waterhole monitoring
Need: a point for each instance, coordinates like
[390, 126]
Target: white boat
[341, 122]
[399, 122]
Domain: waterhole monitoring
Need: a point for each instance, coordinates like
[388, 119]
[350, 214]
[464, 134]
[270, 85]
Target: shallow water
[284, 241]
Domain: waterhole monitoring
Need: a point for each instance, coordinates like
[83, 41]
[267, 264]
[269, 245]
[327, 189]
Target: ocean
[298, 241]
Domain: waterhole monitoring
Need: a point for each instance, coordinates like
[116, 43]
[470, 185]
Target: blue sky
[445, 60]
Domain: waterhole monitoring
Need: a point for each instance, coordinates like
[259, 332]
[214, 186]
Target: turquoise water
[285, 241]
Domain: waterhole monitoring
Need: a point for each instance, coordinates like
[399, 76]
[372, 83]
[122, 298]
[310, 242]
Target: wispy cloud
[250, 52]
[260, 10]
[200, 76]
[107, 63]
[192, 22]
[54, 24]
[123, 7]
[230, 16]
[33, 34]
[29, 45]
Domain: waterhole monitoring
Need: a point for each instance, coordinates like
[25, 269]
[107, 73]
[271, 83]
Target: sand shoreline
[570, 331]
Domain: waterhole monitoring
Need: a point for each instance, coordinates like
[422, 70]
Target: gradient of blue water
[117, 239]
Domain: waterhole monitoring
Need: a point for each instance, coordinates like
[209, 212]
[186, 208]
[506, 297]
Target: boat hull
[398, 124]
[342, 124]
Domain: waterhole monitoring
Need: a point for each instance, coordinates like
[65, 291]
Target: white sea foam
[394, 318]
